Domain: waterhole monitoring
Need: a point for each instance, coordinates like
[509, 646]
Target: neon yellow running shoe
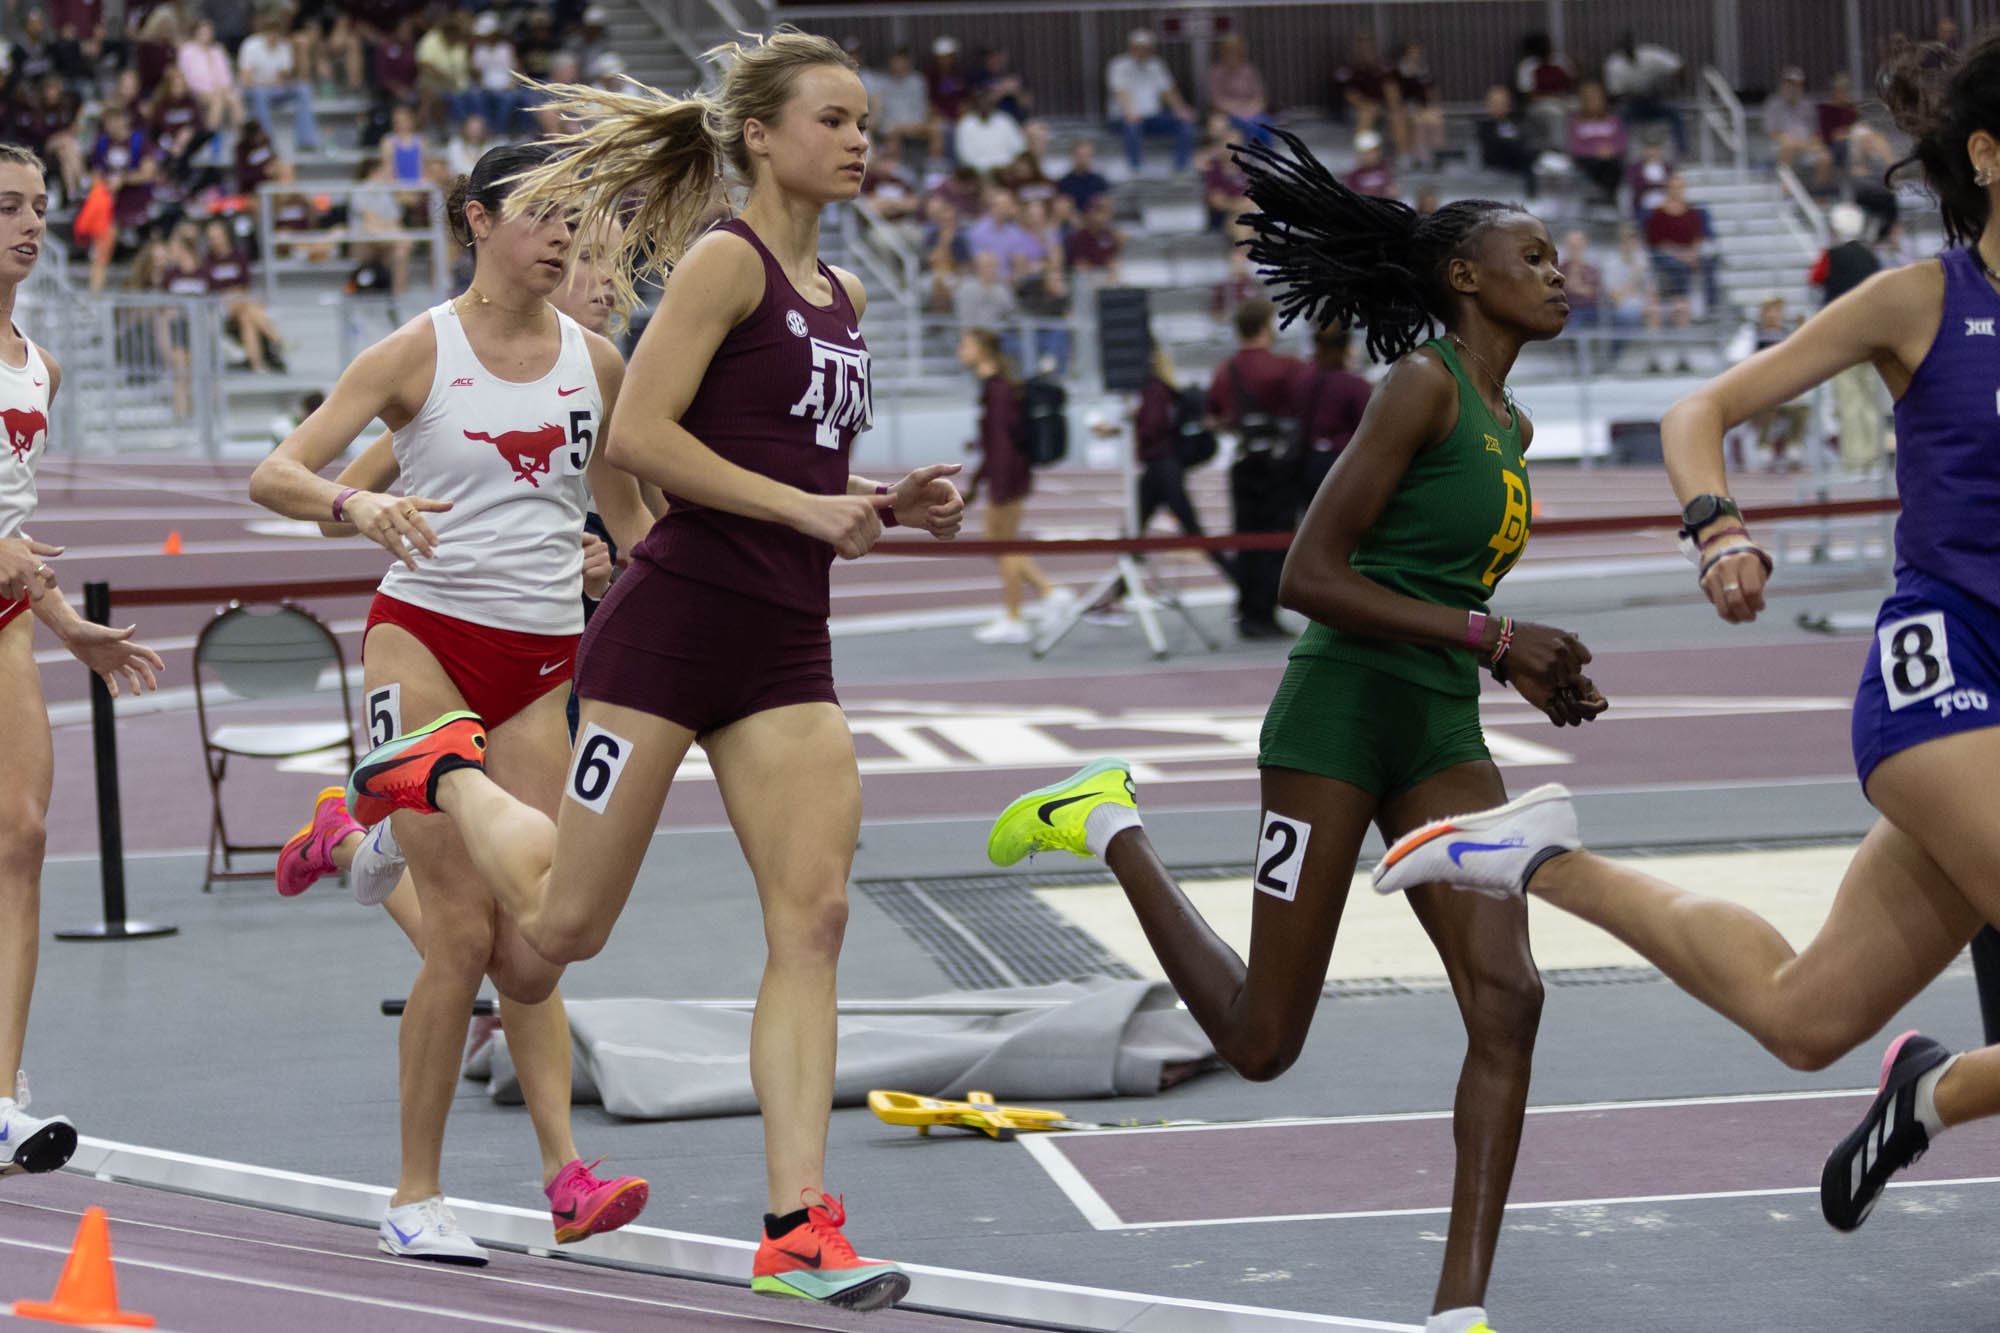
[1051, 818]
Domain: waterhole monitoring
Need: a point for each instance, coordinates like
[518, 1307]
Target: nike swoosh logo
[1050, 807]
[813, 1260]
[566, 1214]
[398, 1231]
[1458, 849]
[4, 1132]
[564, 393]
[854, 335]
[36, 383]
[553, 666]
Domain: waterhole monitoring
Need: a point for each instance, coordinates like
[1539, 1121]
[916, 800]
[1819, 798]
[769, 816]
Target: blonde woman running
[497, 401]
[745, 395]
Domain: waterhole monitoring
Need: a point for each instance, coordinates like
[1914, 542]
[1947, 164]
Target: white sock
[1105, 822]
[1926, 1099]
[1462, 1320]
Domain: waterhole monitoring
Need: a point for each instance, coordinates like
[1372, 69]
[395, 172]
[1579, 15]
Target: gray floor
[253, 1035]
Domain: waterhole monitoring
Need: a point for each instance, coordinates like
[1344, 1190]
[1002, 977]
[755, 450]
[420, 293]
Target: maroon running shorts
[700, 656]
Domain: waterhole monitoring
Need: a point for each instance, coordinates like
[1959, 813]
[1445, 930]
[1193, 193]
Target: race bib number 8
[385, 714]
[1916, 660]
[594, 767]
[1281, 855]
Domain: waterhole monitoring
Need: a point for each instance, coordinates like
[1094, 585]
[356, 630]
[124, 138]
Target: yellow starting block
[977, 1112]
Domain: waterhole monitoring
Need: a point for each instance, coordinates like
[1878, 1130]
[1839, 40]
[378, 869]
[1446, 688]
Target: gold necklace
[1506, 394]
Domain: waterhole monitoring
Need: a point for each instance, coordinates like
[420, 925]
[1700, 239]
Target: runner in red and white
[496, 400]
[29, 378]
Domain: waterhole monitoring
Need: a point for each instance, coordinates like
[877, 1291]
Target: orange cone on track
[87, 1291]
[173, 544]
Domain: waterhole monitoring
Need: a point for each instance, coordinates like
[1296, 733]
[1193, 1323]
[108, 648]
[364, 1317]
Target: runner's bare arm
[373, 469]
[111, 653]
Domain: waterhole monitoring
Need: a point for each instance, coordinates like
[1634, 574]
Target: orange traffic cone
[87, 1291]
[173, 546]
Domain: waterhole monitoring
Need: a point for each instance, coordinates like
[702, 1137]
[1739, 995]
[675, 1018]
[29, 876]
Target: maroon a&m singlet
[784, 395]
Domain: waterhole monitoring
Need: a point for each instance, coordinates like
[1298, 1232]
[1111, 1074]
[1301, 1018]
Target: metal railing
[1804, 219]
[1722, 120]
[315, 250]
[141, 370]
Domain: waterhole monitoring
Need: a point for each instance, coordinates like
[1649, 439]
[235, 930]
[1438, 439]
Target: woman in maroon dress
[1004, 474]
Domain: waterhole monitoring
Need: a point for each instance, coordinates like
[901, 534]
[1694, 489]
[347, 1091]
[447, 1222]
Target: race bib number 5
[1916, 660]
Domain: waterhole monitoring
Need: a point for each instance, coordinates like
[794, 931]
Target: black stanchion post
[110, 829]
[1986, 975]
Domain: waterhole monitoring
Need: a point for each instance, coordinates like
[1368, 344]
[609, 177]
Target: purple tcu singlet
[784, 395]
[1948, 442]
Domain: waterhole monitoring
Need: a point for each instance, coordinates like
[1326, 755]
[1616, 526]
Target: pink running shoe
[581, 1205]
[308, 857]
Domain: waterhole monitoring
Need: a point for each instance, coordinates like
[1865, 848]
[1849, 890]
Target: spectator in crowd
[548, 120]
[46, 122]
[1597, 142]
[950, 85]
[1145, 102]
[156, 44]
[376, 210]
[29, 58]
[1093, 244]
[1371, 174]
[891, 189]
[946, 254]
[987, 138]
[997, 78]
[1427, 201]
[175, 121]
[394, 62]
[172, 264]
[1043, 293]
[1544, 79]
[1001, 234]
[1238, 285]
[1364, 87]
[590, 39]
[326, 45]
[1025, 176]
[1678, 233]
[76, 53]
[257, 158]
[1417, 125]
[403, 148]
[1856, 147]
[1583, 280]
[1773, 431]
[1223, 184]
[244, 316]
[1082, 183]
[964, 191]
[1640, 77]
[1155, 442]
[1792, 123]
[1255, 384]
[1236, 89]
[900, 104]
[494, 61]
[267, 66]
[1502, 144]
[984, 299]
[463, 150]
[1628, 297]
[211, 77]
[1857, 400]
[1331, 400]
[444, 72]
[536, 44]
[605, 70]
[1005, 476]
[1646, 177]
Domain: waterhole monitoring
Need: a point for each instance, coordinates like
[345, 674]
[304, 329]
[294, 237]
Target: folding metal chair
[271, 651]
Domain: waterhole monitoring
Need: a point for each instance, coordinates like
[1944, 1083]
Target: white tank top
[24, 412]
[510, 457]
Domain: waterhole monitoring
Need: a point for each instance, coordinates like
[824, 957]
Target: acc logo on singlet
[23, 425]
[837, 396]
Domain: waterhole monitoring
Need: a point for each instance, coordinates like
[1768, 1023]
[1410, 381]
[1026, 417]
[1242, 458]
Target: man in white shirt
[264, 68]
[493, 64]
[987, 138]
[1144, 101]
[899, 102]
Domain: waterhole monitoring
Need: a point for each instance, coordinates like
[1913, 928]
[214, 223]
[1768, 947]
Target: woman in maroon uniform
[742, 403]
[1005, 475]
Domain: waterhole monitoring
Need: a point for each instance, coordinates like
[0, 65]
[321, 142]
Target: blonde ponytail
[656, 163]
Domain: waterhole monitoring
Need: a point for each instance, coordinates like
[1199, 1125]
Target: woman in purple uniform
[741, 403]
[1926, 719]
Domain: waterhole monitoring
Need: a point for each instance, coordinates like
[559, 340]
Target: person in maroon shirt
[1005, 475]
[1371, 175]
[949, 83]
[1364, 87]
[1255, 394]
[46, 123]
[741, 404]
[395, 62]
[1417, 124]
[1597, 141]
[1156, 421]
[1093, 245]
[1857, 147]
[1677, 233]
[227, 270]
[1331, 400]
[174, 117]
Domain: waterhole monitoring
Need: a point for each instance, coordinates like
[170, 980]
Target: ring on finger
[1732, 587]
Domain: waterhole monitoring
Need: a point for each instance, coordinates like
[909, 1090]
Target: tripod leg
[1053, 632]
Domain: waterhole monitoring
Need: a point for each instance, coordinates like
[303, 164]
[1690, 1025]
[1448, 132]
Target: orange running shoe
[815, 1262]
[308, 857]
[403, 773]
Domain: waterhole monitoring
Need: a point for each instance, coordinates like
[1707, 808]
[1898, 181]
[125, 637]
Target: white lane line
[1096, 1209]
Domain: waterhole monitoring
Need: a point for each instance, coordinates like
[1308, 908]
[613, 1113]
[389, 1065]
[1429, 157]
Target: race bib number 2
[600, 756]
[1916, 660]
[1281, 855]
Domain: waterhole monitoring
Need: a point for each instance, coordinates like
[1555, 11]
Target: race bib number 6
[594, 766]
[1916, 660]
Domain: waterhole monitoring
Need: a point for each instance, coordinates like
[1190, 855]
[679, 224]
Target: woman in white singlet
[495, 400]
[29, 378]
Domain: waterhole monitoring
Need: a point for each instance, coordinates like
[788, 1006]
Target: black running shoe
[1889, 1137]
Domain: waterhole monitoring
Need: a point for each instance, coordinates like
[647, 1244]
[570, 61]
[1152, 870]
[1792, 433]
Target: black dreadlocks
[1337, 257]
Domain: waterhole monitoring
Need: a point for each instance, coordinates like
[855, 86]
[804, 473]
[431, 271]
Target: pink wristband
[1475, 630]
[340, 500]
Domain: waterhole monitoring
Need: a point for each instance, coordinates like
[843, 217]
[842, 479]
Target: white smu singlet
[510, 457]
[24, 412]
